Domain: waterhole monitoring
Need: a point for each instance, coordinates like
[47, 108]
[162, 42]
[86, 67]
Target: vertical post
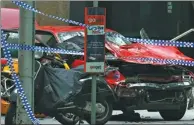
[26, 62]
[0, 51]
[95, 3]
[94, 49]
[93, 98]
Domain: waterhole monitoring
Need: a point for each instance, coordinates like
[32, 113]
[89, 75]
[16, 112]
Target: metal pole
[182, 35]
[26, 62]
[95, 3]
[93, 113]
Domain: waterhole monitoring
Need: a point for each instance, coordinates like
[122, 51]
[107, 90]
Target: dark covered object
[54, 86]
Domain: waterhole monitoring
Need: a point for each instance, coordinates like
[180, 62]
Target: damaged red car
[136, 84]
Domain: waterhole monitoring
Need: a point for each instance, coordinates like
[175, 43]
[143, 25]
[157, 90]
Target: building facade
[58, 8]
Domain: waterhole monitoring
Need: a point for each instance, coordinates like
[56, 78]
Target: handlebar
[110, 69]
[55, 61]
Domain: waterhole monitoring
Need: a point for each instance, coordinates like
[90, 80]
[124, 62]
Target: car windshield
[77, 38]
[116, 38]
[73, 43]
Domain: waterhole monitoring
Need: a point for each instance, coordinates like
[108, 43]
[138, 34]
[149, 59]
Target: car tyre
[103, 119]
[174, 115]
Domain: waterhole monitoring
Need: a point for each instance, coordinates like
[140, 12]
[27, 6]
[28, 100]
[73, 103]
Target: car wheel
[104, 117]
[67, 119]
[172, 115]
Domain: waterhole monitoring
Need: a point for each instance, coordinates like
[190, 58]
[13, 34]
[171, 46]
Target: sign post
[94, 52]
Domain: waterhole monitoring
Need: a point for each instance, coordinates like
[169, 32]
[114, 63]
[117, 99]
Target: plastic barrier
[6, 46]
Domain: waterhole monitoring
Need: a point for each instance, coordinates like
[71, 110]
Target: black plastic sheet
[54, 86]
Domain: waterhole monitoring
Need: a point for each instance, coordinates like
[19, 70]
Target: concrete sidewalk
[147, 118]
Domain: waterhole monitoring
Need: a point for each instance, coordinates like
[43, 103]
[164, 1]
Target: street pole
[95, 3]
[93, 113]
[26, 62]
[94, 44]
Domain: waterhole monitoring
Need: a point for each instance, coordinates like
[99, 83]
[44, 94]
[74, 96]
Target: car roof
[58, 29]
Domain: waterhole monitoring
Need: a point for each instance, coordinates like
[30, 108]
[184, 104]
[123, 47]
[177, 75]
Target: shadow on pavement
[122, 117]
[125, 118]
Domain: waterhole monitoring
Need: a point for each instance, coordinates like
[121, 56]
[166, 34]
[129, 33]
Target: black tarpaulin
[55, 85]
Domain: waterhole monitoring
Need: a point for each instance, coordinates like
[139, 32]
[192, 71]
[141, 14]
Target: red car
[72, 38]
[132, 73]
[117, 46]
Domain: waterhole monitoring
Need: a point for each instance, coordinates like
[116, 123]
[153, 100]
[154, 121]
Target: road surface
[147, 118]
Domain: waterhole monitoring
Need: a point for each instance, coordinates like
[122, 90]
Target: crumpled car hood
[130, 53]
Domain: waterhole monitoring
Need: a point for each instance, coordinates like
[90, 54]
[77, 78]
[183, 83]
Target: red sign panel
[94, 52]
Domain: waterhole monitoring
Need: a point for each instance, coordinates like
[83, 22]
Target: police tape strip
[163, 61]
[42, 49]
[17, 82]
[142, 41]
[62, 51]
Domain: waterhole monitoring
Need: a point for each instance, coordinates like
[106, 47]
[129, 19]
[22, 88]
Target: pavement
[147, 118]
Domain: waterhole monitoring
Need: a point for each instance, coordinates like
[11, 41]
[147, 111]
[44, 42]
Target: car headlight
[38, 55]
[110, 56]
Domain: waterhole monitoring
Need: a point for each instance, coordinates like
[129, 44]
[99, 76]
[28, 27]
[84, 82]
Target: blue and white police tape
[61, 51]
[17, 82]
[142, 41]
[163, 61]
[42, 49]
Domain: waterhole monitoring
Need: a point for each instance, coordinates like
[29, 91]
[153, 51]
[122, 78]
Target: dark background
[128, 17]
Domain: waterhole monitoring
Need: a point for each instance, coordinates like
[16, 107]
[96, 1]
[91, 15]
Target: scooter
[7, 85]
[76, 101]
